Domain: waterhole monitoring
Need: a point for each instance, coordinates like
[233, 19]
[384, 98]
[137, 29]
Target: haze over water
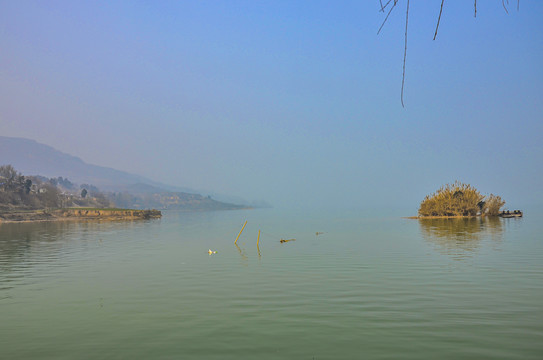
[368, 287]
[295, 103]
[290, 102]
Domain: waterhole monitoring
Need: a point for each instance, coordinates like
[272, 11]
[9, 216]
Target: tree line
[38, 192]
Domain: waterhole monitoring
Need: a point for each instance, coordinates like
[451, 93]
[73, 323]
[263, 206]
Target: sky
[292, 102]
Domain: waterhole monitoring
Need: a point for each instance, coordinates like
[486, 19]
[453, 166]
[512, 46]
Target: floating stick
[240, 232]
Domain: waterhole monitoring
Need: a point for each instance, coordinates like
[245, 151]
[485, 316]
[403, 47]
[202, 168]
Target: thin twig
[385, 6]
[439, 18]
[386, 18]
[405, 50]
[388, 2]
[505, 3]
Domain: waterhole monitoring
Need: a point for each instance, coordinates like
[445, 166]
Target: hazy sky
[294, 102]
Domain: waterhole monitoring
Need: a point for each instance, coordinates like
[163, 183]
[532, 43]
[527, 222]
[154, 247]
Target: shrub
[456, 199]
[492, 205]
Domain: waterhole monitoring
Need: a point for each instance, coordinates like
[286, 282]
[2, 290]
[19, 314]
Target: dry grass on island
[459, 200]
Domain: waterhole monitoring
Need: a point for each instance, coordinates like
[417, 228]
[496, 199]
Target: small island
[459, 200]
[36, 198]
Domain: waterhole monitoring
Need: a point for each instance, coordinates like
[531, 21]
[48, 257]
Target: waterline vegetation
[460, 200]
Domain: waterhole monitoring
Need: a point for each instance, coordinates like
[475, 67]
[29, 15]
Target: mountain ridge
[34, 158]
[31, 157]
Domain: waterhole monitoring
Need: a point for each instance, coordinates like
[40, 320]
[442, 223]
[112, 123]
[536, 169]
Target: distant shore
[17, 216]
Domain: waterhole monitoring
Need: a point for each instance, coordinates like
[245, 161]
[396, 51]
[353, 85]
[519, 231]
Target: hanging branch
[405, 50]
[505, 3]
[439, 18]
[505, 7]
[386, 18]
[385, 6]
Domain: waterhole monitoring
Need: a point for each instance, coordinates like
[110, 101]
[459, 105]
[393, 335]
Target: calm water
[367, 288]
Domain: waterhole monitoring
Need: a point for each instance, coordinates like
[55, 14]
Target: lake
[365, 287]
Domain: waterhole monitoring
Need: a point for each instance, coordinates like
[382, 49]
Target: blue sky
[294, 102]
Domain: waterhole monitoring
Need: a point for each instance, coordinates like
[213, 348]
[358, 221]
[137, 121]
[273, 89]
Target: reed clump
[493, 205]
[460, 199]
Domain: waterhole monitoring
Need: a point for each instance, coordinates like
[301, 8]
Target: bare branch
[385, 6]
[439, 18]
[405, 50]
[505, 4]
[386, 18]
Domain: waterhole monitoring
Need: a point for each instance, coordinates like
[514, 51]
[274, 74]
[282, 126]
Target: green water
[367, 288]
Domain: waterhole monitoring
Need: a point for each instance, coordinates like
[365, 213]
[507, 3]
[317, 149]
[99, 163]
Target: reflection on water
[18, 240]
[243, 255]
[371, 287]
[26, 248]
[460, 237]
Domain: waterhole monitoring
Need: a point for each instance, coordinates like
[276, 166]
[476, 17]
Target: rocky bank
[75, 213]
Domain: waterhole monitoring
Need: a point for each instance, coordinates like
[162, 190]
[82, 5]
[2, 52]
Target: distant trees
[49, 196]
[460, 199]
[126, 200]
[60, 181]
[12, 186]
[16, 190]
[8, 177]
[93, 190]
[38, 192]
[28, 186]
[101, 200]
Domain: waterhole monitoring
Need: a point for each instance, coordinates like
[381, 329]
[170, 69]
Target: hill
[32, 158]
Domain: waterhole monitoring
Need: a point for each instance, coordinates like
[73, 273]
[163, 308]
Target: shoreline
[444, 217]
[452, 217]
[42, 215]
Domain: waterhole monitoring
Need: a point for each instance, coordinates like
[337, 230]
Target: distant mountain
[32, 158]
